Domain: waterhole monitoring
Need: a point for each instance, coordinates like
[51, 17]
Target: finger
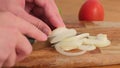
[25, 27]
[23, 48]
[3, 56]
[1, 64]
[29, 1]
[31, 31]
[39, 12]
[5, 49]
[35, 21]
[11, 60]
[29, 6]
[51, 13]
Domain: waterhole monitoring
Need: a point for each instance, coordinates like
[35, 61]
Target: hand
[10, 20]
[14, 46]
[29, 10]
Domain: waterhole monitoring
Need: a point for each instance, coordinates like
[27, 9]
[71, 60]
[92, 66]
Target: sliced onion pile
[65, 39]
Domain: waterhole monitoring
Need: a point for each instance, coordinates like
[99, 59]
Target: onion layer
[60, 50]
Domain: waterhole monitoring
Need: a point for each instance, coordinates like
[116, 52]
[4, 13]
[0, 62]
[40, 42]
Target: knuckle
[29, 50]
[6, 13]
[14, 30]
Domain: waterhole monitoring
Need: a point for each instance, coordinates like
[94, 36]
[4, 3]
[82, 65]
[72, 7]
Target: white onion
[61, 51]
[102, 43]
[89, 41]
[83, 35]
[69, 45]
[58, 31]
[87, 47]
[65, 39]
[92, 37]
[102, 37]
[66, 34]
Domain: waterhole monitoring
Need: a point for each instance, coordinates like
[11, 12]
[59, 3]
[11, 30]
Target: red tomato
[92, 10]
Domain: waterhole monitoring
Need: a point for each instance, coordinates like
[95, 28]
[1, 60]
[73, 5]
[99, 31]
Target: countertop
[70, 8]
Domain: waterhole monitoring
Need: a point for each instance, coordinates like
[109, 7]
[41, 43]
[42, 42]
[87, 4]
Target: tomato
[91, 10]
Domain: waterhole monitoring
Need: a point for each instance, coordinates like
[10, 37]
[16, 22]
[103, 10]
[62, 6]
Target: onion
[102, 43]
[58, 31]
[61, 51]
[89, 41]
[69, 45]
[66, 34]
[92, 37]
[79, 37]
[65, 39]
[87, 47]
[102, 37]
[83, 35]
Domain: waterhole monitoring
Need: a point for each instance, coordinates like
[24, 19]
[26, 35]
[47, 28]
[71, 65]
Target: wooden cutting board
[45, 56]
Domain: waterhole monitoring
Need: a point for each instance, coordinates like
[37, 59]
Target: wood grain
[44, 56]
[70, 9]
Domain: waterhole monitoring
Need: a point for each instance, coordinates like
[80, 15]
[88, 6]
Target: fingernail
[60, 23]
[44, 37]
[46, 31]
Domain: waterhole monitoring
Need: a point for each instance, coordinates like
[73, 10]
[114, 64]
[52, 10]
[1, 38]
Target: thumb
[23, 47]
[33, 20]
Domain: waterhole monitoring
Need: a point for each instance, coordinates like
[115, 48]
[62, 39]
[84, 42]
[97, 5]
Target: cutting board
[45, 56]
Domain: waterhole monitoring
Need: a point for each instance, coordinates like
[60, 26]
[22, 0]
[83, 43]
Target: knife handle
[31, 40]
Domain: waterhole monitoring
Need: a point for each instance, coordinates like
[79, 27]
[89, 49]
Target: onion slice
[65, 39]
[58, 31]
[87, 47]
[61, 51]
[83, 35]
[66, 34]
